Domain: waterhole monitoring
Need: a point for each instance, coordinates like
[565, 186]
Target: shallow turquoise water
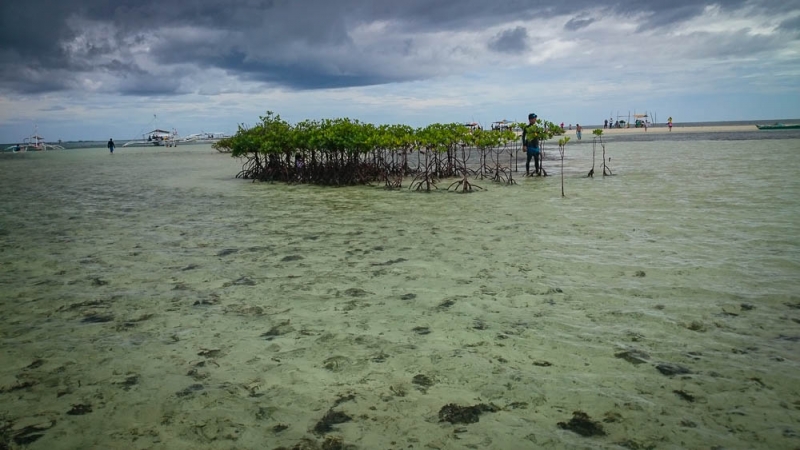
[690, 254]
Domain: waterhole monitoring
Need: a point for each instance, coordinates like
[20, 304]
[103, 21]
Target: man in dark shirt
[530, 140]
[110, 145]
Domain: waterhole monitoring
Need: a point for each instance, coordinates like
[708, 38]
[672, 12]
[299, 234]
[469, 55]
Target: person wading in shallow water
[110, 145]
[530, 140]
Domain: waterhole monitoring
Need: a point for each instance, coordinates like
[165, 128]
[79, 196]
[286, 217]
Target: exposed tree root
[464, 185]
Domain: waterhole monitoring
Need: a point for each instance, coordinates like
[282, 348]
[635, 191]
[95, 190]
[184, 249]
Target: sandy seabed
[152, 301]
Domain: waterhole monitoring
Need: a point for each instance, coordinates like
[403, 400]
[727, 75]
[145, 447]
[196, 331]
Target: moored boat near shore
[203, 138]
[779, 126]
[156, 137]
[33, 143]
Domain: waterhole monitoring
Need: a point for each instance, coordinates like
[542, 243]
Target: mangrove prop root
[394, 182]
[465, 186]
[606, 169]
[425, 181]
[594, 149]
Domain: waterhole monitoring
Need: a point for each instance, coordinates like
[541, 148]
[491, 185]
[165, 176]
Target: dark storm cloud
[792, 25]
[295, 75]
[301, 44]
[32, 79]
[510, 41]
[576, 23]
[148, 85]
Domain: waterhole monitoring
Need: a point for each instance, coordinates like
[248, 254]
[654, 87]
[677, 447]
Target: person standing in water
[530, 140]
[669, 123]
[578, 130]
[110, 145]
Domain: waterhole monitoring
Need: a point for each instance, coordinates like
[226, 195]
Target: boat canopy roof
[158, 131]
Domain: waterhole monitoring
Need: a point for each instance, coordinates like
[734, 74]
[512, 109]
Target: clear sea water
[151, 300]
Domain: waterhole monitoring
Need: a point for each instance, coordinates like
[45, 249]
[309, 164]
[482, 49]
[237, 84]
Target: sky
[94, 69]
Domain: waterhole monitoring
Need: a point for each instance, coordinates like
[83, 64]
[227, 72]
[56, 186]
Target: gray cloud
[510, 41]
[735, 45]
[148, 85]
[576, 23]
[792, 25]
[128, 46]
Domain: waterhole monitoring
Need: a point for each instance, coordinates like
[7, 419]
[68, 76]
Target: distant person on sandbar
[110, 145]
[530, 140]
[669, 123]
[605, 124]
[299, 165]
[578, 130]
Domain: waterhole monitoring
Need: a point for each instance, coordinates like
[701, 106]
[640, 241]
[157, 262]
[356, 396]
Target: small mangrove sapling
[597, 134]
[562, 146]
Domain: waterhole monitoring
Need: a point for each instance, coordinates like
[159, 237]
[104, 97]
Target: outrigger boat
[156, 137]
[779, 126]
[473, 126]
[507, 125]
[203, 138]
[33, 143]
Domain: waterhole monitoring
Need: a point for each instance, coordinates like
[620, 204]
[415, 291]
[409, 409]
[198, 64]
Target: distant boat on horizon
[33, 142]
[779, 126]
[203, 138]
[156, 138]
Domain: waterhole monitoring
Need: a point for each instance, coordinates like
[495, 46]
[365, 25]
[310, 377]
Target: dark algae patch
[390, 262]
[278, 330]
[190, 390]
[331, 418]
[98, 318]
[356, 292]
[422, 380]
[18, 386]
[344, 398]
[633, 356]
[227, 251]
[22, 436]
[79, 410]
[670, 369]
[464, 414]
[35, 365]
[329, 443]
[684, 395]
[582, 424]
